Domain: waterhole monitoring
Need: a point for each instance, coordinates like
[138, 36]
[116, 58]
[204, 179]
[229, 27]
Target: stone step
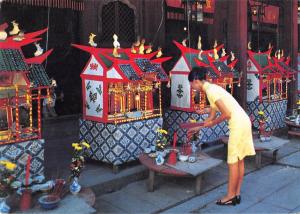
[101, 178]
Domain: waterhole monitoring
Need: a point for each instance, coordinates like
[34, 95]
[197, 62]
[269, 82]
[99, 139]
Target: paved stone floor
[272, 189]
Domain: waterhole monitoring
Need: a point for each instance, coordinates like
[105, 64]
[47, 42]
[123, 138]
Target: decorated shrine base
[275, 113]
[172, 119]
[118, 143]
[18, 154]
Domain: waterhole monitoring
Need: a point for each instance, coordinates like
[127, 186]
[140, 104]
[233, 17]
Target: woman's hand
[208, 123]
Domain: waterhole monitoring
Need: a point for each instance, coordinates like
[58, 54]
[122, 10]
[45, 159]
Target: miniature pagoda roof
[145, 65]
[161, 75]
[129, 72]
[262, 59]
[286, 67]
[12, 60]
[38, 76]
[191, 56]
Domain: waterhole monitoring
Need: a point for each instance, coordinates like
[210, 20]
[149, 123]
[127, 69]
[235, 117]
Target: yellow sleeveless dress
[240, 142]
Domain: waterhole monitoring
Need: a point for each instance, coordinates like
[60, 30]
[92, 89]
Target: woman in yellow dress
[240, 142]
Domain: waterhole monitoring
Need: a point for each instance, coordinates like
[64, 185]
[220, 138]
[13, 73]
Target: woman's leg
[233, 178]
[241, 167]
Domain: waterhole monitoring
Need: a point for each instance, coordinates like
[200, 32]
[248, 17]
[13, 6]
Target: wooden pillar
[289, 42]
[237, 43]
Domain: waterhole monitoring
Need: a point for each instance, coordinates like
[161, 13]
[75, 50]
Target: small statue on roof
[199, 43]
[3, 34]
[184, 42]
[15, 29]
[142, 46]
[232, 56]
[133, 49]
[200, 55]
[19, 37]
[223, 52]
[159, 53]
[91, 40]
[270, 46]
[279, 54]
[216, 56]
[149, 49]
[249, 46]
[39, 51]
[116, 45]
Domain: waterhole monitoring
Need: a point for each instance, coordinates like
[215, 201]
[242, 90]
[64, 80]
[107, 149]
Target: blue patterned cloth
[18, 154]
[173, 118]
[118, 143]
[275, 113]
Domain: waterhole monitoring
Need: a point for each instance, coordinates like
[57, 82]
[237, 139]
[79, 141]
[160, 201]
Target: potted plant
[7, 177]
[77, 164]
[262, 125]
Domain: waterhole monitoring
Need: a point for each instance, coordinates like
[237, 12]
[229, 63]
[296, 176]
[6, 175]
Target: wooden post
[151, 180]
[289, 42]
[198, 184]
[237, 42]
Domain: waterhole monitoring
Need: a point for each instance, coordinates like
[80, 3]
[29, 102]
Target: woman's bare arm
[225, 114]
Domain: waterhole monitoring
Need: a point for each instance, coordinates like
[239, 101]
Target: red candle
[27, 171]
[174, 139]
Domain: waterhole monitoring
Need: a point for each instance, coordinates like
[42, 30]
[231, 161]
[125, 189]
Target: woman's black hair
[197, 73]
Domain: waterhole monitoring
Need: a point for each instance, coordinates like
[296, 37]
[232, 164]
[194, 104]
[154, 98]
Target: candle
[27, 171]
[174, 139]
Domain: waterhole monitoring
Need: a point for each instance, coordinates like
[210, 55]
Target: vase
[4, 208]
[75, 186]
[26, 198]
[159, 160]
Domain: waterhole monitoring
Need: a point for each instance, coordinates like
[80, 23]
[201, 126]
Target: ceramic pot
[4, 208]
[75, 186]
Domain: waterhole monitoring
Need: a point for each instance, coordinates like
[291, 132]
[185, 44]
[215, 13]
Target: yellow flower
[298, 103]
[75, 145]
[86, 144]
[261, 113]
[78, 148]
[193, 120]
[10, 166]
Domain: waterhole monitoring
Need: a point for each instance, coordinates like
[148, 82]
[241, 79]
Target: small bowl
[49, 202]
[183, 158]
[192, 159]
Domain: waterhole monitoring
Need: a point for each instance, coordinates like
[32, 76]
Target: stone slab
[272, 145]
[287, 197]
[265, 208]
[70, 204]
[291, 160]
[200, 166]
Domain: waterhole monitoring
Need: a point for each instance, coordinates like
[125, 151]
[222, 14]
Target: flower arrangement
[162, 140]
[7, 176]
[195, 136]
[77, 162]
[261, 117]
